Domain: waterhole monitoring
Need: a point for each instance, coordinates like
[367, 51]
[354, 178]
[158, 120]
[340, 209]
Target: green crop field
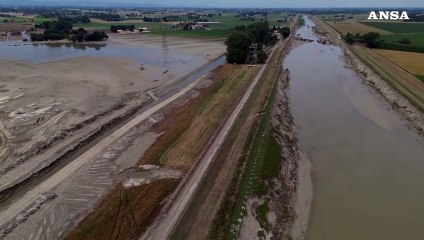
[16, 19]
[273, 19]
[106, 26]
[397, 27]
[20, 19]
[330, 17]
[221, 30]
[196, 33]
[417, 39]
[39, 20]
[227, 21]
[360, 17]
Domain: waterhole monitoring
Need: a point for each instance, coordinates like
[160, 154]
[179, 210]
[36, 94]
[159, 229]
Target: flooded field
[156, 56]
[368, 167]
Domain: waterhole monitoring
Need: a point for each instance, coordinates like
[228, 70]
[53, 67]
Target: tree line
[239, 44]
[115, 28]
[373, 40]
[63, 29]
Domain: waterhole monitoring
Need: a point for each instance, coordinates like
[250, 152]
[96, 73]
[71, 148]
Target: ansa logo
[388, 15]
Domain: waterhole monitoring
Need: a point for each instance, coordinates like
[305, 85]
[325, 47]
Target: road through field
[163, 228]
[31, 196]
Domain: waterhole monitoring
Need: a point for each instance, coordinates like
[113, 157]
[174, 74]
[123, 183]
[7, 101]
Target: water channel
[368, 167]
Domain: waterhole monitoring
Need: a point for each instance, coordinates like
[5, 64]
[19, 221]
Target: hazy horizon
[228, 3]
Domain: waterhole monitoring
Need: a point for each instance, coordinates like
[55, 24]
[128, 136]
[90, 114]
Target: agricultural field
[218, 34]
[273, 18]
[412, 31]
[395, 75]
[390, 32]
[106, 25]
[22, 19]
[356, 17]
[410, 61]
[39, 20]
[16, 19]
[221, 30]
[397, 27]
[417, 39]
[227, 21]
[351, 26]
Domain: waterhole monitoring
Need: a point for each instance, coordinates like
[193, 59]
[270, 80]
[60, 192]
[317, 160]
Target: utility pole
[164, 48]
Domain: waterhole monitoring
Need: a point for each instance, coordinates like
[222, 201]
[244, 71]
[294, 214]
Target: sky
[238, 3]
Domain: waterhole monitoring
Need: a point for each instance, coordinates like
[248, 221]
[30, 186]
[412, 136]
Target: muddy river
[368, 167]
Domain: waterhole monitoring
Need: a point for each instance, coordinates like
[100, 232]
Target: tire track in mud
[68, 176]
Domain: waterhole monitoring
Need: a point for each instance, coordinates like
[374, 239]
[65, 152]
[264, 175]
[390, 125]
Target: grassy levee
[126, 213]
[256, 166]
[218, 184]
[186, 150]
[412, 91]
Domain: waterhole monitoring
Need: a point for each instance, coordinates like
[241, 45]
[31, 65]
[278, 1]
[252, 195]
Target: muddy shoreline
[293, 190]
[403, 107]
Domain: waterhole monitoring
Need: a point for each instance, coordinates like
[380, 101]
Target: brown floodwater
[368, 167]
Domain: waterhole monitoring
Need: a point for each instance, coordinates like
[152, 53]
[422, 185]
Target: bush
[96, 36]
[235, 55]
[372, 39]
[262, 56]
[37, 37]
[285, 31]
[404, 41]
[239, 40]
[115, 28]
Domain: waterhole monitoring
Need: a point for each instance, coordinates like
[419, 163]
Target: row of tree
[110, 17]
[371, 39]
[63, 29]
[239, 44]
[115, 28]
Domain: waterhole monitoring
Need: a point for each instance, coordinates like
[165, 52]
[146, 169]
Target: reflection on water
[77, 46]
[368, 168]
[46, 52]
